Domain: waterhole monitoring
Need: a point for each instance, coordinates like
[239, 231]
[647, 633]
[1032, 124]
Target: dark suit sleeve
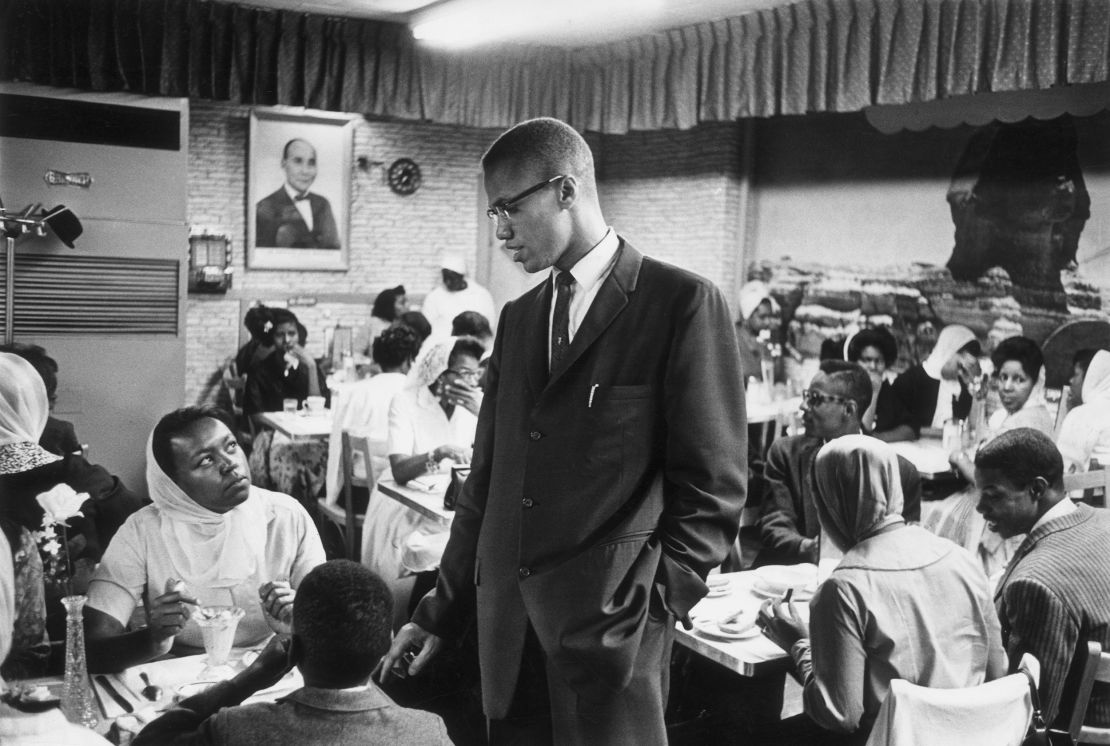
[778, 520]
[1037, 621]
[445, 610]
[265, 222]
[705, 452]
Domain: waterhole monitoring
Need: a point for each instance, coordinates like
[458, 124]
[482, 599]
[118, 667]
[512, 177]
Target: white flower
[60, 504]
[51, 547]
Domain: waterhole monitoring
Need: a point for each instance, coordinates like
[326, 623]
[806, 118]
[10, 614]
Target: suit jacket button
[535, 435]
[527, 502]
[524, 572]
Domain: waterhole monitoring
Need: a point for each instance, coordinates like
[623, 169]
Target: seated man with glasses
[832, 406]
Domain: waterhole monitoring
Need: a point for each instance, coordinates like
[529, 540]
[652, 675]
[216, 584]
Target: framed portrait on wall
[299, 191]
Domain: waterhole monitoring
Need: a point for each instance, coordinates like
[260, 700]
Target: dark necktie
[300, 197]
[560, 325]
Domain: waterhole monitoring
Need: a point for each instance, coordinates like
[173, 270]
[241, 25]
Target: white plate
[800, 594]
[719, 590]
[709, 628]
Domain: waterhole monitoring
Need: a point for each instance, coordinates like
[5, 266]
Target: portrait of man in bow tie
[293, 216]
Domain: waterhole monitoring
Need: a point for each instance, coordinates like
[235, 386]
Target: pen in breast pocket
[590, 401]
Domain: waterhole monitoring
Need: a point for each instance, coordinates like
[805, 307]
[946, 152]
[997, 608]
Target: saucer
[764, 591]
[716, 591]
[709, 628]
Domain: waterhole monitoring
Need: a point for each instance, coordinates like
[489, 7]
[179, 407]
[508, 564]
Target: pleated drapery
[808, 56]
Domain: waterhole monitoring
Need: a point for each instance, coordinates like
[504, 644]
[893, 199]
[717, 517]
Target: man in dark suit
[832, 406]
[609, 466]
[1055, 593]
[293, 217]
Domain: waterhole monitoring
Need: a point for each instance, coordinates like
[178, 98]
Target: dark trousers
[546, 711]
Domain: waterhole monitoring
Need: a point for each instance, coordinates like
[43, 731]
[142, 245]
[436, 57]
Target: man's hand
[781, 624]
[277, 602]
[170, 611]
[270, 666]
[411, 650]
[455, 453]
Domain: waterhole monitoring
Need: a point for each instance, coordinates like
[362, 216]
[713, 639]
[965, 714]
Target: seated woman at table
[210, 538]
[886, 418]
[901, 603]
[388, 307]
[27, 470]
[364, 404]
[288, 372]
[431, 422]
[1085, 433]
[1019, 372]
[937, 390]
[755, 325]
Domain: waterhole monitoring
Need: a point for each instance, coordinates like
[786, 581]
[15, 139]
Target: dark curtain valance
[809, 56]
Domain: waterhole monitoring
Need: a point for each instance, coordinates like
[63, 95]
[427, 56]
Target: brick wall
[674, 194]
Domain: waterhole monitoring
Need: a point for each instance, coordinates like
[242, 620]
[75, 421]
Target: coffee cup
[315, 404]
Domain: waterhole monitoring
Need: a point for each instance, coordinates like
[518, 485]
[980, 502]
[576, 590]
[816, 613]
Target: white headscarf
[859, 490]
[24, 409]
[24, 406]
[208, 549]
[751, 295]
[432, 360]
[949, 342]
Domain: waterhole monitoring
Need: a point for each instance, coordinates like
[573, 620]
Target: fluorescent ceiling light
[466, 24]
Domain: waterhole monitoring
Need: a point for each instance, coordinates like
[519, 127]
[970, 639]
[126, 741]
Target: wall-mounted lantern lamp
[209, 263]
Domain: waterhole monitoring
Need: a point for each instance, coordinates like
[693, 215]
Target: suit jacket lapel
[537, 337]
[611, 299]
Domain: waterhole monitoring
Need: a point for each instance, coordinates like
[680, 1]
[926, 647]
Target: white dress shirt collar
[1059, 510]
[594, 266]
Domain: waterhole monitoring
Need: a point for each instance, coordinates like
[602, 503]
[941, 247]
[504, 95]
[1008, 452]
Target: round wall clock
[404, 176]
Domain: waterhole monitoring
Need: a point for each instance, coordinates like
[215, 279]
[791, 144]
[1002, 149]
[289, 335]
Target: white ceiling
[595, 21]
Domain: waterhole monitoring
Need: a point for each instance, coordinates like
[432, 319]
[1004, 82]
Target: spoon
[150, 691]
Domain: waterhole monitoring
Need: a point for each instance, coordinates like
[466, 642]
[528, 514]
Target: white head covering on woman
[950, 340]
[432, 360]
[859, 490]
[208, 549]
[24, 409]
[751, 295]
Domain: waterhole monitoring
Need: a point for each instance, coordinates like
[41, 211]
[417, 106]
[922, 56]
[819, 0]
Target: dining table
[120, 696]
[423, 494]
[928, 455]
[743, 649]
[299, 425]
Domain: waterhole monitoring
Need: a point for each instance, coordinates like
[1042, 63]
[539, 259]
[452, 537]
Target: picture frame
[299, 170]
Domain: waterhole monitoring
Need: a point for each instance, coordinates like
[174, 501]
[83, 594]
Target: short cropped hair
[1024, 351]
[879, 338]
[547, 145]
[394, 346]
[285, 150]
[177, 423]
[1082, 358]
[1022, 454]
[853, 381]
[342, 620]
[470, 324]
[467, 346]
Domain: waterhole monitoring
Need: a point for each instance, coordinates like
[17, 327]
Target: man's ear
[569, 189]
[1038, 488]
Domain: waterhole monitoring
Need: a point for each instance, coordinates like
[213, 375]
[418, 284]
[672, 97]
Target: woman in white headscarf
[1085, 433]
[757, 319]
[937, 390]
[27, 469]
[901, 603]
[210, 539]
[431, 423]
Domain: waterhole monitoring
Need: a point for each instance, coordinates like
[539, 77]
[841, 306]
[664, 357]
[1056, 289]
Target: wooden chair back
[356, 448]
[1096, 667]
[1094, 485]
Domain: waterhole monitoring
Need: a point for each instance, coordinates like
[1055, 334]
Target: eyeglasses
[500, 211]
[473, 376]
[817, 398]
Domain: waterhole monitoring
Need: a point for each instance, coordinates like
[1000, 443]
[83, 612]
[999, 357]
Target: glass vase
[77, 697]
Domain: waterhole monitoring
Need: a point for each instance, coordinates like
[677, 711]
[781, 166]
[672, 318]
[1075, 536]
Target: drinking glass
[289, 406]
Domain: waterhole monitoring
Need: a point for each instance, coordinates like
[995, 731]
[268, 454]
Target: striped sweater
[1054, 594]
